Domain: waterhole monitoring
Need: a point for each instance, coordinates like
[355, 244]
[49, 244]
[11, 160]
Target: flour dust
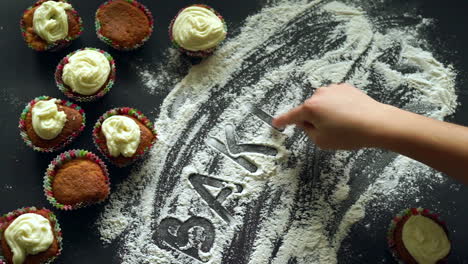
[222, 186]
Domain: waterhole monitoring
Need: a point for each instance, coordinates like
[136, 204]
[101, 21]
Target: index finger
[294, 116]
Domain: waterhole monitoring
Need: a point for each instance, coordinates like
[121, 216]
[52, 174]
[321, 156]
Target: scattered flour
[301, 202]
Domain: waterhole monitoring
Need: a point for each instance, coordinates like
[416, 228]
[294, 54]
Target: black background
[26, 74]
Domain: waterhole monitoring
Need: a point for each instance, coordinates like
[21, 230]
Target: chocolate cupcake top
[198, 27]
[86, 71]
[124, 24]
[425, 240]
[28, 234]
[75, 179]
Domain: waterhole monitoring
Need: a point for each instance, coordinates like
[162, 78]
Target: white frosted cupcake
[86, 74]
[50, 25]
[197, 30]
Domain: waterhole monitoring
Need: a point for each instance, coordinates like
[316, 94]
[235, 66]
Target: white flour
[296, 216]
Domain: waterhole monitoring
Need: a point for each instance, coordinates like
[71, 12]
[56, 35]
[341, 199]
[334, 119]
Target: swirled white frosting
[122, 135]
[198, 28]
[50, 21]
[86, 71]
[47, 120]
[425, 240]
[28, 234]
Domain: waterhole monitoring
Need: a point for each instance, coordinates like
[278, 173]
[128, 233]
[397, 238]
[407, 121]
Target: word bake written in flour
[197, 233]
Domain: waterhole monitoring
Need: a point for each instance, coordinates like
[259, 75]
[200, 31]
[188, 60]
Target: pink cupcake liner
[7, 218]
[109, 41]
[123, 111]
[403, 216]
[199, 53]
[28, 108]
[61, 160]
[65, 89]
[57, 45]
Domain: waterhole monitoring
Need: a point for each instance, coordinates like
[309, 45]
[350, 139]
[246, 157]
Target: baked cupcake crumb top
[80, 181]
[124, 24]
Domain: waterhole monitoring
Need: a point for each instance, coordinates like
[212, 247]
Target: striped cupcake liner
[403, 216]
[57, 45]
[22, 124]
[199, 53]
[7, 218]
[112, 43]
[128, 112]
[65, 89]
[61, 160]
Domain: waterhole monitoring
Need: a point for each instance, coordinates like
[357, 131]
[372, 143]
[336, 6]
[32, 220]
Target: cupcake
[123, 135]
[75, 179]
[197, 30]
[86, 74]
[418, 236]
[123, 24]
[48, 124]
[50, 25]
[30, 235]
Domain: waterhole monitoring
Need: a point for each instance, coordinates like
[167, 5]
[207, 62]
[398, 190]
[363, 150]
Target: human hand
[339, 116]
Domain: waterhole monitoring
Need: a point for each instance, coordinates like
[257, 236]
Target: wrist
[390, 126]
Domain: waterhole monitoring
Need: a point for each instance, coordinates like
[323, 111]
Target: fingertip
[278, 122]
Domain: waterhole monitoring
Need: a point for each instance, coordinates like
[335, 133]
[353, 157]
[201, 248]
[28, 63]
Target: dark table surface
[25, 74]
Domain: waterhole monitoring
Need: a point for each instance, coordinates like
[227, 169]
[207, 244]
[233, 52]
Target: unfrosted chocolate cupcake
[123, 24]
[75, 179]
[50, 25]
[48, 124]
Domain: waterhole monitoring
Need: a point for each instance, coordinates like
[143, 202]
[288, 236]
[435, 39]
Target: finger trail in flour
[283, 200]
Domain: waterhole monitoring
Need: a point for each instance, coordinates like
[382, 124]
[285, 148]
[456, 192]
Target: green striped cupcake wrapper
[403, 216]
[57, 163]
[79, 97]
[199, 53]
[57, 45]
[113, 44]
[129, 112]
[27, 109]
[7, 218]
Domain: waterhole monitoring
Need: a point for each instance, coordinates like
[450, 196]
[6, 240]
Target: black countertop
[26, 74]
